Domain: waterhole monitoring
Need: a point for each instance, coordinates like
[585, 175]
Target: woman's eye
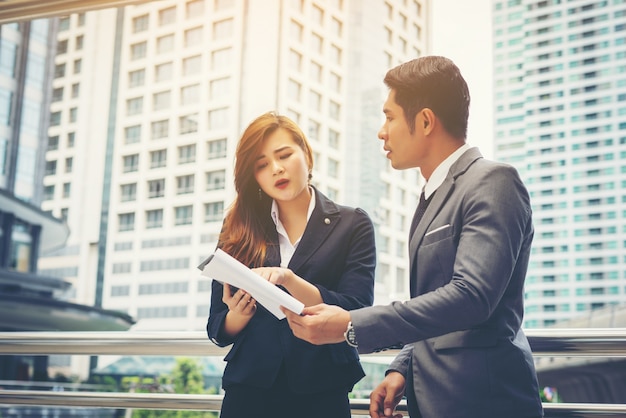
[261, 166]
[285, 156]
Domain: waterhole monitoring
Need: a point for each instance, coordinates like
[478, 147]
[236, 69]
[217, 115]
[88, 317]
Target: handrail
[570, 342]
[598, 342]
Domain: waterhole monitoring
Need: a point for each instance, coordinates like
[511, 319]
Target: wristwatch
[350, 335]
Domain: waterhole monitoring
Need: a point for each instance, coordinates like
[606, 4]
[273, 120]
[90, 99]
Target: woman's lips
[281, 184]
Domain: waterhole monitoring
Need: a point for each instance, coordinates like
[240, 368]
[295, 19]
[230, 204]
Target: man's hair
[432, 82]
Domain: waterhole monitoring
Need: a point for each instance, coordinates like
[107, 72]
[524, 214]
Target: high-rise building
[148, 102]
[560, 112]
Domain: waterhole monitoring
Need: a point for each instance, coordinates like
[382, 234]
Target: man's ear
[427, 118]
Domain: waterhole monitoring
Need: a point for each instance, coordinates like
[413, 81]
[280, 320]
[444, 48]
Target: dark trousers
[280, 401]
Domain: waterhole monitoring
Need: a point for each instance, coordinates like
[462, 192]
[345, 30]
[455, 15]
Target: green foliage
[549, 395]
[185, 378]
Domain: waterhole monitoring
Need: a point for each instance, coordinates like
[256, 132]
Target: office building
[560, 107]
[148, 102]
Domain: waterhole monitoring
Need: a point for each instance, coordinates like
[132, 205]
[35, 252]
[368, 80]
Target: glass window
[140, 23]
[187, 154]
[216, 180]
[161, 100]
[156, 188]
[184, 215]
[192, 65]
[185, 184]
[67, 188]
[132, 134]
[223, 29]
[216, 149]
[193, 36]
[188, 124]
[213, 211]
[158, 158]
[167, 16]
[194, 8]
[62, 47]
[128, 192]
[163, 72]
[220, 88]
[165, 44]
[190, 94]
[59, 69]
[160, 129]
[134, 106]
[130, 163]
[69, 164]
[138, 50]
[154, 218]
[53, 143]
[136, 78]
[218, 118]
[221, 59]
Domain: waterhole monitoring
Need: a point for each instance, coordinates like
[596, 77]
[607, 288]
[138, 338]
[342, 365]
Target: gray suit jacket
[464, 353]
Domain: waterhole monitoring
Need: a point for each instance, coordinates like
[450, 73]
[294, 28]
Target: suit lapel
[439, 199]
[323, 221]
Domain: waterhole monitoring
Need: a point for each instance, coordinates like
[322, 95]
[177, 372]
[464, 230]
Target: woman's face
[281, 168]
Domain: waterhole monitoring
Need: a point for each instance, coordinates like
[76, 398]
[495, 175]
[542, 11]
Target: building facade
[560, 118]
[148, 103]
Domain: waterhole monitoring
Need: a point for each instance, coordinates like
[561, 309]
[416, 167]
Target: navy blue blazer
[337, 254]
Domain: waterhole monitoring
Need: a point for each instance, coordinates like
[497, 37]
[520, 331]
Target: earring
[260, 194]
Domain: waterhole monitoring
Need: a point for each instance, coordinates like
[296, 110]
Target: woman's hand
[240, 302]
[275, 275]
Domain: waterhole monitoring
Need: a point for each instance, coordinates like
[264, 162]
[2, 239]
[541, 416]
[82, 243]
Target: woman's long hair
[248, 225]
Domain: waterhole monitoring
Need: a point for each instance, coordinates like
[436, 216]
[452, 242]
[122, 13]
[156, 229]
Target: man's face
[402, 147]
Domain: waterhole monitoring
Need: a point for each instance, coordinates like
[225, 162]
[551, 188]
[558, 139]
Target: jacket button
[327, 221]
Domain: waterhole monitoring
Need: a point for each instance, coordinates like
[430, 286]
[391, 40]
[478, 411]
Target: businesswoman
[315, 249]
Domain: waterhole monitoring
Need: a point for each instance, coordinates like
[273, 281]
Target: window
[188, 124]
[154, 218]
[167, 16]
[140, 23]
[51, 168]
[73, 115]
[134, 106]
[75, 90]
[69, 164]
[335, 54]
[190, 94]
[184, 215]
[57, 94]
[293, 90]
[138, 50]
[295, 60]
[335, 82]
[62, 47]
[315, 101]
[161, 100]
[333, 110]
[160, 129]
[220, 59]
[136, 78]
[67, 189]
[216, 180]
[48, 192]
[130, 163]
[220, 88]
[317, 43]
[195, 8]
[295, 31]
[158, 158]
[64, 23]
[223, 29]
[55, 118]
[217, 149]
[318, 15]
[192, 65]
[79, 42]
[128, 192]
[213, 211]
[187, 154]
[156, 188]
[59, 70]
[71, 139]
[165, 44]
[163, 72]
[185, 184]
[316, 72]
[218, 118]
[126, 221]
[78, 64]
[53, 143]
[333, 168]
[132, 134]
[193, 36]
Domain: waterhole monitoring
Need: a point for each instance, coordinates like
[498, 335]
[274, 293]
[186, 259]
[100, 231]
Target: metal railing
[602, 342]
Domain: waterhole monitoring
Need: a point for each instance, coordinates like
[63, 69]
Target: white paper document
[222, 267]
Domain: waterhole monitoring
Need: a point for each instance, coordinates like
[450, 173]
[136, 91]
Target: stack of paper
[222, 267]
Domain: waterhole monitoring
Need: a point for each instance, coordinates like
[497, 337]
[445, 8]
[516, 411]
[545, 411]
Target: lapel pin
[327, 221]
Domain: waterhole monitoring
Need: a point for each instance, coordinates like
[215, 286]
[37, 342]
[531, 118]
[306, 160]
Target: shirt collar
[440, 173]
[274, 211]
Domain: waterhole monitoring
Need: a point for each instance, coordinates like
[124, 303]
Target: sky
[461, 31]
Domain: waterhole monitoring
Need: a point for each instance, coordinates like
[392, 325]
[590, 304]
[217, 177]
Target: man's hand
[319, 324]
[385, 398]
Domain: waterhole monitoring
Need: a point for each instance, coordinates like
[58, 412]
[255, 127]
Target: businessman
[464, 353]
